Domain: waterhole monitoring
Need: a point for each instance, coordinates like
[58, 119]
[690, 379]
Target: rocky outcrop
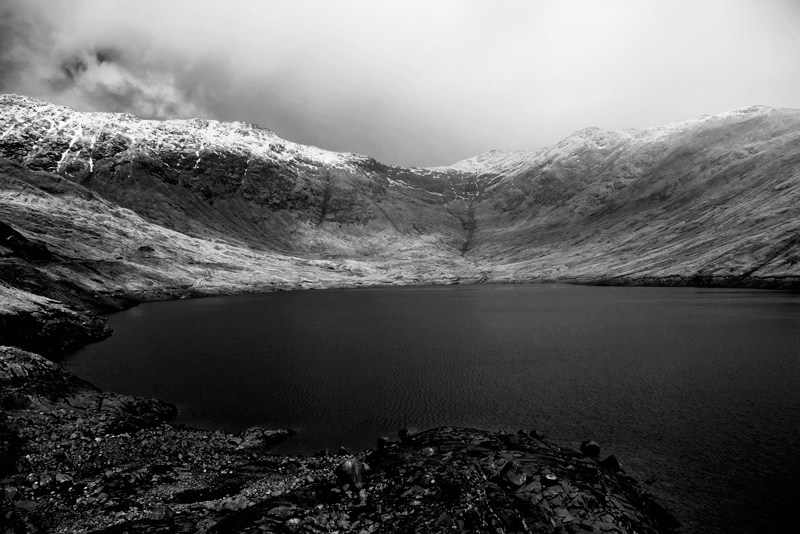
[77, 459]
[32, 382]
[44, 325]
[15, 243]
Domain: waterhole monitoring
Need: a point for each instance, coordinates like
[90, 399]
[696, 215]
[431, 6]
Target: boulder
[549, 479]
[590, 449]
[405, 434]
[351, 471]
[611, 464]
[514, 473]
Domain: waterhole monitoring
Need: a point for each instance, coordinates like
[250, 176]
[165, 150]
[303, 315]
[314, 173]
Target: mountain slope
[232, 181]
[74, 246]
[712, 197]
[105, 207]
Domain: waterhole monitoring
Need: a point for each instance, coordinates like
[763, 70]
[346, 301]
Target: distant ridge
[137, 209]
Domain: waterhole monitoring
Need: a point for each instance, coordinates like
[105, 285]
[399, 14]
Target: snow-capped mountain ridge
[716, 197]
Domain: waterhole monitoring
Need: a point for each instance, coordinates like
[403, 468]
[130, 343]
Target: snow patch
[10, 129]
[61, 161]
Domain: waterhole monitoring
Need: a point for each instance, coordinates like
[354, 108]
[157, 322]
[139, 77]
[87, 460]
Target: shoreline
[117, 422]
[91, 461]
[133, 298]
[81, 459]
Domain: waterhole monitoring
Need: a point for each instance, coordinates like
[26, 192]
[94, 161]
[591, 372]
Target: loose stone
[590, 449]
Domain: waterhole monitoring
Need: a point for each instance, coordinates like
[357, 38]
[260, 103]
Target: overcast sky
[411, 83]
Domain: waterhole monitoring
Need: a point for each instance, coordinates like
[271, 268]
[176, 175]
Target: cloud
[96, 69]
[108, 81]
[18, 41]
[412, 82]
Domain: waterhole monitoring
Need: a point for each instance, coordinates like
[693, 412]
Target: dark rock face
[49, 327]
[16, 244]
[47, 386]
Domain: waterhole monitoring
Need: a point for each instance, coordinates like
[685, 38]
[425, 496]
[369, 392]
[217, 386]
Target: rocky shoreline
[77, 459]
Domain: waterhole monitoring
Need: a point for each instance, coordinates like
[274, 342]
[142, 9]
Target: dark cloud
[104, 55]
[113, 80]
[72, 68]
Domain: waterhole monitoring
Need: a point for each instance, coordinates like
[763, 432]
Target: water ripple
[695, 390]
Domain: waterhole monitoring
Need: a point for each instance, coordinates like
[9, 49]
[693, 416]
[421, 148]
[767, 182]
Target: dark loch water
[696, 391]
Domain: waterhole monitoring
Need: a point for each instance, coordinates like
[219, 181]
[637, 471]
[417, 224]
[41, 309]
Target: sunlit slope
[61, 240]
[712, 197]
[237, 182]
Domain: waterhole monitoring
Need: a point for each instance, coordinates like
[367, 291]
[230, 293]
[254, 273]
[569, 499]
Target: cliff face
[99, 208]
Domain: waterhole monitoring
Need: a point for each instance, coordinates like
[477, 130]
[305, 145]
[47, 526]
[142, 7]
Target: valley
[99, 212]
[125, 210]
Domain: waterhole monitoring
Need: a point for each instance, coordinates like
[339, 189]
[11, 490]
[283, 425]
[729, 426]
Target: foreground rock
[80, 460]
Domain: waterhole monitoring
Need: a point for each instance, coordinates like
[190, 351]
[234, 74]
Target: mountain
[711, 198]
[99, 209]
